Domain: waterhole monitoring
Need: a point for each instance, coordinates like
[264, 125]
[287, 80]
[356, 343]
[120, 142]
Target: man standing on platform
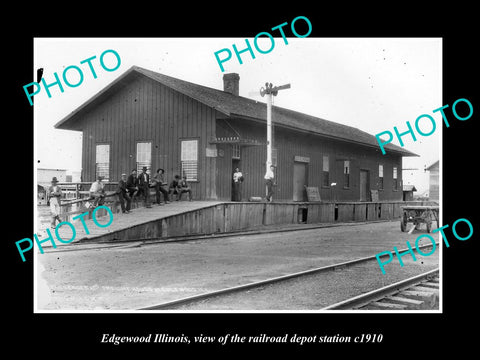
[123, 194]
[237, 183]
[54, 194]
[269, 176]
[143, 186]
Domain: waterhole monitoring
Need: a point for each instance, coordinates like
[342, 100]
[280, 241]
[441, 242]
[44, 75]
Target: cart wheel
[429, 225]
[428, 221]
[403, 222]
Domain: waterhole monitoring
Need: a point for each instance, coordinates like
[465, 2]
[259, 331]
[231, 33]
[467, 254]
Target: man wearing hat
[123, 194]
[143, 186]
[97, 192]
[159, 182]
[132, 184]
[54, 194]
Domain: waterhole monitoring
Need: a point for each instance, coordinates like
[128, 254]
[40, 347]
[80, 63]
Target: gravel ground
[316, 291]
[135, 276]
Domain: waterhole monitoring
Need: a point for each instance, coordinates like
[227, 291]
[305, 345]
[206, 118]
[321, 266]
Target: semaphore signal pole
[270, 90]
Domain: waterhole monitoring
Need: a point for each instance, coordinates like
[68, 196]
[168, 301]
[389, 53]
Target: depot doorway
[300, 172]
[364, 185]
[235, 164]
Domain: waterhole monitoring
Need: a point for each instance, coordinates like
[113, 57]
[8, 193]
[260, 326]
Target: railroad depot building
[144, 118]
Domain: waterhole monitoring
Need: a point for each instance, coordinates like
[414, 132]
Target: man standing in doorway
[144, 186]
[237, 183]
[269, 176]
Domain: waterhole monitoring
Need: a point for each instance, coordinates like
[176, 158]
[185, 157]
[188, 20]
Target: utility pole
[270, 90]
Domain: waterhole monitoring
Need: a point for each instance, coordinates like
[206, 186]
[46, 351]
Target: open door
[299, 181]
[364, 185]
[235, 164]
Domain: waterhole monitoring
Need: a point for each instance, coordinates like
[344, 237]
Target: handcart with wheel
[419, 214]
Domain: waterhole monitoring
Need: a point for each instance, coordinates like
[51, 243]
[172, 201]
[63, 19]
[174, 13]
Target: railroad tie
[422, 287]
[433, 285]
[410, 303]
[387, 306]
[430, 298]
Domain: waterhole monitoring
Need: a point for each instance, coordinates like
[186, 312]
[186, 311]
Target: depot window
[380, 177]
[189, 159]
[395, 179]
[235, 151]
[102, 161]
[274, 156]
[326, 171]
[144, 156]
[346, 173]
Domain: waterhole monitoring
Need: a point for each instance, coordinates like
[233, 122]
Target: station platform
[138, 217]
[195, 218]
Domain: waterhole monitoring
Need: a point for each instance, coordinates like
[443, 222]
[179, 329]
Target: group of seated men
[139, 186]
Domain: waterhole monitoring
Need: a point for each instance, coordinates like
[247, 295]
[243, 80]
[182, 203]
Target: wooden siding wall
[290, 144]
[434, 184]
[230, 217]
[145, 110]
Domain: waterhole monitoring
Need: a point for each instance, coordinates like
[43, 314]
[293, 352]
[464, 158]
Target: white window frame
[143, 156]
[395, 178]
[274, 157]
[380, 176]
[325, 169]
[102, 161]
[236, 152]
[189, 158]
[346, 173]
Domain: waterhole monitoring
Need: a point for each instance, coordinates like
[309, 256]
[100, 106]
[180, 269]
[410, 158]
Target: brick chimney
[231, 83]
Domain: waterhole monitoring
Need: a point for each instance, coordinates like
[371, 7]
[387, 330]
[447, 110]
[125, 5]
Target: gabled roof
[409, 188]
[235, 106]
[433, 165]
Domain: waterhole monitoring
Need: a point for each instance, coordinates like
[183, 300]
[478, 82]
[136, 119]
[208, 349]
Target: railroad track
[191, 301]
[419, 292]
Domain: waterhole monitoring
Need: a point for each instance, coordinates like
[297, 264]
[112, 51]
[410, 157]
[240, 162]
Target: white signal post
[269, 90]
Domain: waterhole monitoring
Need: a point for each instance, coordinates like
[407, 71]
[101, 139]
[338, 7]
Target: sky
[372, 84]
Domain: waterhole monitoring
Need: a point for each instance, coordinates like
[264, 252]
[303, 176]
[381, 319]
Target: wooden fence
[74, 190]
[71, 208]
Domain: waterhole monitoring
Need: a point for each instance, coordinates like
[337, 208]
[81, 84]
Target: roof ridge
[195, 84]
[243, 107]
[313, 117]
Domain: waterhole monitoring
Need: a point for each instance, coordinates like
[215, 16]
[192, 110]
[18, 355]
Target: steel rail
[230, 290]
[378, 294]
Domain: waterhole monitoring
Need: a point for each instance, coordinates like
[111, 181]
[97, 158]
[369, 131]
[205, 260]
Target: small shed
[408, 192]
